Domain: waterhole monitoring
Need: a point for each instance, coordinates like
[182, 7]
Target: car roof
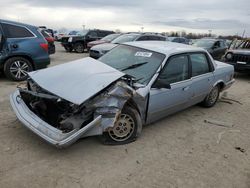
[165, 47]
[17, 23]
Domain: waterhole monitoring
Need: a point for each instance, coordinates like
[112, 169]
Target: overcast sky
[221, 16]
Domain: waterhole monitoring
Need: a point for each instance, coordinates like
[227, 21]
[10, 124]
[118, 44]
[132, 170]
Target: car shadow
[242, 76]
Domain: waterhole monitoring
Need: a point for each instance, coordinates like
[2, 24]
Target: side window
[176, 40]
[222, 44]
[102, 34]
[162, 38]
[200, 64]
[182, 40]
[176, 70]
[13, 31]
[92, 34]
[217, 44]
[143, 38]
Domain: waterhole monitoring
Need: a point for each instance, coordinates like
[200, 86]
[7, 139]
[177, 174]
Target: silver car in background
[136, 83]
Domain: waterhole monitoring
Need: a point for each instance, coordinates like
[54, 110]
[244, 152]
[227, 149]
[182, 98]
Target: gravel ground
[178, 151]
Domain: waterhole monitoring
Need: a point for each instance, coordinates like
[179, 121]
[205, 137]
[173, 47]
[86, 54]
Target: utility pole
[210, 32]
[243, 34]
[142, 28]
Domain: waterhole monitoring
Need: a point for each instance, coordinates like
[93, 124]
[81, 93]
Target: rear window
[14, 31]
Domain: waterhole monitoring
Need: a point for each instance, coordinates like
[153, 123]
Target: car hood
[98, 42]
[78, 80]
[240, 51]
[104, 47]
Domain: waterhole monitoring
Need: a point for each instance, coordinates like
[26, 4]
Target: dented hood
[78, 80]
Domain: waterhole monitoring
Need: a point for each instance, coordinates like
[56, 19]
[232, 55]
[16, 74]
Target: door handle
[15, 46]
[185, 88]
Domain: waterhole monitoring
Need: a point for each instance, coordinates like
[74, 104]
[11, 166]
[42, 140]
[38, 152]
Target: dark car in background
[107, 39]
[22, 49]
[216, 47]
[79, 41]
[238, 55]
[181, 40]
[99, 50]
[51, 41]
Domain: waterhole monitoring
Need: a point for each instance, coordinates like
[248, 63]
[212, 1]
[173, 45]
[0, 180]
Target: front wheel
[17, 68]
[212, 97]
[125, 129]
[79, 47]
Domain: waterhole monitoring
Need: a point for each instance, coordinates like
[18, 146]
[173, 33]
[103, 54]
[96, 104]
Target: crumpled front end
[60, 122]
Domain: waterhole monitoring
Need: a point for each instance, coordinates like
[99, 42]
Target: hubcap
[213, 95]
[79, 48]
[19, 69]
[123, 128]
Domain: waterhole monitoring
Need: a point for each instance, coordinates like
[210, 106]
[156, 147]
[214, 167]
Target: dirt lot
[179, 151]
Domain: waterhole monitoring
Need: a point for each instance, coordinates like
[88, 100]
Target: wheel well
[132, 104]
[23, 56]
[221, 85]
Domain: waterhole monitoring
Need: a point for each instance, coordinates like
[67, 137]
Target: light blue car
[134, 84]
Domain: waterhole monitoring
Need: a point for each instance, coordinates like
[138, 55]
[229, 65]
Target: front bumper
[240, 67]
[41, 128]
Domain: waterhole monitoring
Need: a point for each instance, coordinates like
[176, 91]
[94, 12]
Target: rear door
[202, 76]
[1, 45]
[162, 101]
[16, 37]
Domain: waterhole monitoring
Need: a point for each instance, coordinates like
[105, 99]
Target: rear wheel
[17, 68]
[212, 97]
[125, 129]
[79, 47]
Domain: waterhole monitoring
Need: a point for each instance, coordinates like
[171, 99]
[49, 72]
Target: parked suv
[238, 55]
[22, 49]
[79, 41]
[99, 50]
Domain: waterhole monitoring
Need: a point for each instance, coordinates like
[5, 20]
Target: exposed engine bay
[67, 116]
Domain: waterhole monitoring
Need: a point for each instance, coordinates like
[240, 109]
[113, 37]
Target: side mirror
[159, 84]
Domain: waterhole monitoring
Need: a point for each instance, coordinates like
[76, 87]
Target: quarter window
[176, 70]
[93, 34]
[14, 31]
[199, 64]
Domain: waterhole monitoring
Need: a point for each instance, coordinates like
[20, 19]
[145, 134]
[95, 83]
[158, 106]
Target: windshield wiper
[134, 66]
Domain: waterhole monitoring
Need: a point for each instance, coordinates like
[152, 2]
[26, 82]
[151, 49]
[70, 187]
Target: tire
[125, 128]
[212, 97]
[79, 47]
[16, 68]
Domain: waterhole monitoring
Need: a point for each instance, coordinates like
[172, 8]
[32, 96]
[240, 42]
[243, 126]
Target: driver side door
[163, 101]
[1, 44]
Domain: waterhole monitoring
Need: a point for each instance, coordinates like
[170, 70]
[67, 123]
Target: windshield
[140, 63]
[240, 44]
[204, 43]
[82, 33]
[110, 37]
[125, 38]
[73, 32]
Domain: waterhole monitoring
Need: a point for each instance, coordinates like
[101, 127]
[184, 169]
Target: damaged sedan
[134, 84]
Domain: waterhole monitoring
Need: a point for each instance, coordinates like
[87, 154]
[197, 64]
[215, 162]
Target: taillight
[49, 39]
[44, 46]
